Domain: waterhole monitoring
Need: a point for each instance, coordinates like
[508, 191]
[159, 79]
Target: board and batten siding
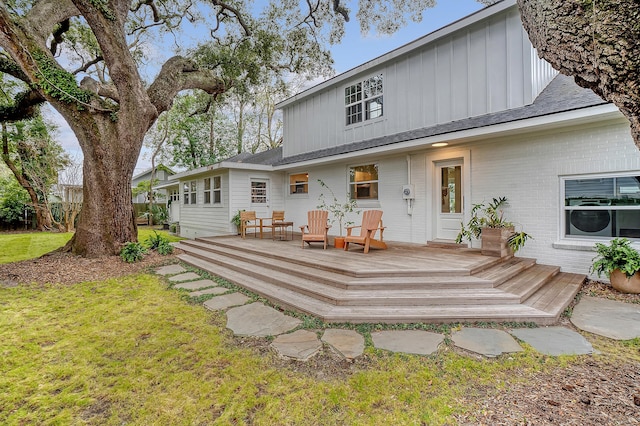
[485, 67]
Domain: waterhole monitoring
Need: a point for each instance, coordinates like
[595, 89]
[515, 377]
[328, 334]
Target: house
[464, 114]
[162, 174]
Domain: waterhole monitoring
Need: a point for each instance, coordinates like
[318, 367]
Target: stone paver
[554, 340]
[616, 320]
[408, 341]
[188, 276]
[257, 319]
[300, 345]
[212, 290]
[226, 301]
[348, 343]
[170, 270]
[485, 341]
[196, 285]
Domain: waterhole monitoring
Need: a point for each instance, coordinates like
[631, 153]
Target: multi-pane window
[603, 206]
[363, 182]
[189, 192]
[212, 190]
[259, 192]
[175, 195]
[299, 183]
[364, 96]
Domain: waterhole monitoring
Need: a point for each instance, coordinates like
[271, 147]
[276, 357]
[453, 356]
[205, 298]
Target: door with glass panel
[450, 208]
[260, 197]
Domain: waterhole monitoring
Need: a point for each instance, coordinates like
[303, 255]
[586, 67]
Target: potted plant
[338, 211]
[487, 223]
[620, 262]
[236, 220]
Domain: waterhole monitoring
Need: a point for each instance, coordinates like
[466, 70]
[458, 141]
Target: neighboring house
[162, 175]
[462, 115]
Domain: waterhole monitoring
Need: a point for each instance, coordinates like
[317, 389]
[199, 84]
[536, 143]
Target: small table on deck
[281, 228]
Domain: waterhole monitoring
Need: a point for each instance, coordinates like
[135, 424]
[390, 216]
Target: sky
[354, 50]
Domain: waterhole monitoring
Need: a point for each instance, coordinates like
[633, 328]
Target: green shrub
[165, 248]
[160, 243]
[133, 252]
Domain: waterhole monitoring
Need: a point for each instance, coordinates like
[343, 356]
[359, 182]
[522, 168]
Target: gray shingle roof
[265, 157]
[561, 95]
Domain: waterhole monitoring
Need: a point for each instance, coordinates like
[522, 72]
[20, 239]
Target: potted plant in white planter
[338, 211]
[498, 236]
[620, 262]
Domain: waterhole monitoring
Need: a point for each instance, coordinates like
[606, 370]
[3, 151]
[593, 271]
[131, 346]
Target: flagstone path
[616, 320]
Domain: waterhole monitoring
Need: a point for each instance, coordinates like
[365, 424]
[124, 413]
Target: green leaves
[617, 255]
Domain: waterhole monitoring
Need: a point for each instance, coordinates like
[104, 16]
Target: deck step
[327, 312]
[406, 283]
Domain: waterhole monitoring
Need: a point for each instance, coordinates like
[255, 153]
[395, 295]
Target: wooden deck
[406, 283]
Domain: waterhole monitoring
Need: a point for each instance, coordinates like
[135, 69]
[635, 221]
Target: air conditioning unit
[408, 192]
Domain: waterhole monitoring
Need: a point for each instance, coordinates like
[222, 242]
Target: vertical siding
[483, 68]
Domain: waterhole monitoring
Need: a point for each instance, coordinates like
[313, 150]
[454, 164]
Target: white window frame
[189, 192]
[364, 100]
[299, 187]
[355, 183]
[216, 190]
[600, 204]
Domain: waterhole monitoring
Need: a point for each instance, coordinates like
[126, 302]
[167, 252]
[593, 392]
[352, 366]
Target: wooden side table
[281, 230]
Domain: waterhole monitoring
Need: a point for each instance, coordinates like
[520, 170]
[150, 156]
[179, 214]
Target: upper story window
[299, 183]
[365, 96]
[363, 182]
[189, 192]
[603, 206]
[212, 190]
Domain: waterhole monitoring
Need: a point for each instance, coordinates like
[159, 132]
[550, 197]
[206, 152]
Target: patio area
[406, 283]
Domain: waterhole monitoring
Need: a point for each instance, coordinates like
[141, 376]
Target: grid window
[189, 192]
[366, 97]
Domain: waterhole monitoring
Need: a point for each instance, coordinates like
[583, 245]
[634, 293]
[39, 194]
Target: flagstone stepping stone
[485, 341]
[212, 290]
[226, 301]
[608, 318]
[408, 341]
[170, 270]
[300, 345]
[196, 285]
[257, 319]
[348, 343]
[554, 340]
[188, 276]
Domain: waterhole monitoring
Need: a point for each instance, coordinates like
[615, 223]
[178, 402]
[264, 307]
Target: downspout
[409, 201]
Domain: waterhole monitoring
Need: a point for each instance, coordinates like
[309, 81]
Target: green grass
[17, 247]
[131, 351]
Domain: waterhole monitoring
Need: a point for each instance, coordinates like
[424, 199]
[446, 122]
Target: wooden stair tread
[529, 281]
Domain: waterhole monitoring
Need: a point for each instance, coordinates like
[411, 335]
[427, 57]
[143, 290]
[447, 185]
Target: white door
[260, 197]
[450, 210]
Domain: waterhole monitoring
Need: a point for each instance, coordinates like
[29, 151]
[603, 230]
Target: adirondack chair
[316, 229]
[248, 220]
[371, 223]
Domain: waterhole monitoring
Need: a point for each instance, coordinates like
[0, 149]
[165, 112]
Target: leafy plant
[617, 255]
[133, 252]
[159, 243]
[338, 209]
[236, 218]
[160, 214]
[173, 228]
[491, 215]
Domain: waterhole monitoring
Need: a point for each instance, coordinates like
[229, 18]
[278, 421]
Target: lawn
[17, 247]
[134, 351]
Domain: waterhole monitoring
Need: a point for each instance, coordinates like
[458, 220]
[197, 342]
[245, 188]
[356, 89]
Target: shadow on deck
[406, 283]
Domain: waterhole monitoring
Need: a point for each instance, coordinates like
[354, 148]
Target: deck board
[406, 283]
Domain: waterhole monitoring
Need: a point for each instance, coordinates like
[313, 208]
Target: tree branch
[25, 106]
[179, 74]
[236, 13]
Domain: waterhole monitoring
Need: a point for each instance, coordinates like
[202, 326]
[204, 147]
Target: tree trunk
[596, 42]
